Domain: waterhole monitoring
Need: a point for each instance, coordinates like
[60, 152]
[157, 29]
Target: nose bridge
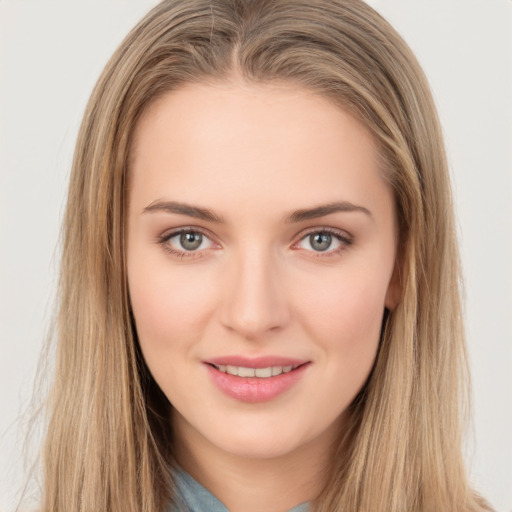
[254, 299]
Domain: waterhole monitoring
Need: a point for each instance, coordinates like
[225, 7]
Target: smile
[260, 373]
[255, 380]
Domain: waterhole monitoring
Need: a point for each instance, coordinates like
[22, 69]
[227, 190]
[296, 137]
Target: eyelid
[343, 236]
[183, 254]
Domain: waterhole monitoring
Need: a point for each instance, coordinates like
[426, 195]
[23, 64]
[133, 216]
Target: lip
[255, 362]
[254, 389]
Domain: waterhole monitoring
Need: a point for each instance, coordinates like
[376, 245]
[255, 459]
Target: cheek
[169, 307]
[169, 322]
[345, 319]
[346, 305]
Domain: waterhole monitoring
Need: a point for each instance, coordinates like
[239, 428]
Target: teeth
[232, 370]
[262, 373]
[277, 370]
[246, 372]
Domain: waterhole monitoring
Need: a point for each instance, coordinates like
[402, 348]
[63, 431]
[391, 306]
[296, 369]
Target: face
[261, 249]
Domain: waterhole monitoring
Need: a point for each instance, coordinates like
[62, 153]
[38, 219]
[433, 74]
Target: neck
[256, 484]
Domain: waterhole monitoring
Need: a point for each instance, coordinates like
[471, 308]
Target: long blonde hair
[107, 445]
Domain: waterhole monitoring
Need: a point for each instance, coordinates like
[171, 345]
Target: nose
[254, 298]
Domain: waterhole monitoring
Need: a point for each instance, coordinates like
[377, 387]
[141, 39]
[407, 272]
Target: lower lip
[254, 389]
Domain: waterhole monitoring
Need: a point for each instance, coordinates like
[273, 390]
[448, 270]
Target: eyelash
[344, 239]
[164, 239]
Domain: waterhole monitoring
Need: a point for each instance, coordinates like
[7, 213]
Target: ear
[394, 291]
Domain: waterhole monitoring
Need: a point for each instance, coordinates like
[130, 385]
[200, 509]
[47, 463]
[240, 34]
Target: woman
[259, 290]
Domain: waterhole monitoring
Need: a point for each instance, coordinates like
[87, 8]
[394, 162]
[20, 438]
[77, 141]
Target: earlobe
[394, 290]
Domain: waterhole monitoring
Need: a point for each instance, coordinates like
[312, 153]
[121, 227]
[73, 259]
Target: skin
[253, 154]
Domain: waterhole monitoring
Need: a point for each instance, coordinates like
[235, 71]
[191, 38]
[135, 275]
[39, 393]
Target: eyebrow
[327, 209]
[294, 217]
[184, 209]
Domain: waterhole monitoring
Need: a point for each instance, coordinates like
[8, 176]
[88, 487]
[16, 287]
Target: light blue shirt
[193, 497]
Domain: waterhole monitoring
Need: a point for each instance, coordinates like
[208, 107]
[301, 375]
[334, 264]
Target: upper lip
[255, 362]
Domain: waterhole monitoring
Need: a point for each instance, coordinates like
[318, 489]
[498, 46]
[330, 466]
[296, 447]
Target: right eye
[186, 242]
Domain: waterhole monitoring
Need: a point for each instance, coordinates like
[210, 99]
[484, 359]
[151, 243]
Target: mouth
[259, 373]
[255, 380]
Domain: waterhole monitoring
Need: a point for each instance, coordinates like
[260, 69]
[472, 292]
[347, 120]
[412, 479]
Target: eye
[320, 241]
[190, 241]
[186, 241]
[324, 241]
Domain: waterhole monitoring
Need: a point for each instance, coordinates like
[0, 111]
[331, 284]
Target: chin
[260, 446]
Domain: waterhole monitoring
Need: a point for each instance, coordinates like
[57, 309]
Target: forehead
[252, 143]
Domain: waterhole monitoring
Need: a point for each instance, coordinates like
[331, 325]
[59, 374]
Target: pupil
[191, 241]
[320, 241]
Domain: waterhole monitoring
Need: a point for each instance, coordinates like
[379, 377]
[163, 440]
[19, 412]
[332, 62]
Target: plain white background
[52, 51]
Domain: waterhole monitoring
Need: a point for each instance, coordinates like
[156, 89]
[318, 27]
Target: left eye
[321, 241]
[189, 241]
